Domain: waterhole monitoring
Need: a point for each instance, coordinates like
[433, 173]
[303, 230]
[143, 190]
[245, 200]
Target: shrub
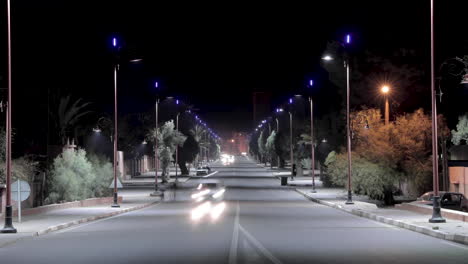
[104, 174]
[76, 177]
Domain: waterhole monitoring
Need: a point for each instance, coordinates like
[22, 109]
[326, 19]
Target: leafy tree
[215, 149]
[460, 135]
[306, 163]
[369, 178]
[132, 129]
[304, 151]
[187, 153]
[198, 133]
[75, 176]
[24, 168]
[168, 140]
[384, 155]
[270, 147]
[72, 177]
[253, 145]
[104, 174]
[261, 147]
[282, 147]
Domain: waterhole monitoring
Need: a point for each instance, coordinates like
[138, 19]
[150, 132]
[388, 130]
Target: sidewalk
[303, 181]
[452, 230]
[40, 224]
[150, 180]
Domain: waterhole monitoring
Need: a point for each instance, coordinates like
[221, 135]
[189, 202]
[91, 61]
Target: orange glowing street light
[385, 90]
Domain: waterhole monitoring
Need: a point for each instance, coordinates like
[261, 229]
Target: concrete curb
[90, 219]
[390, 221]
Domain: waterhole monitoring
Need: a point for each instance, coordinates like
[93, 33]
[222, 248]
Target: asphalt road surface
[261, 223]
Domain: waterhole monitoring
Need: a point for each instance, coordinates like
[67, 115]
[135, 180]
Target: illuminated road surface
[260, 224]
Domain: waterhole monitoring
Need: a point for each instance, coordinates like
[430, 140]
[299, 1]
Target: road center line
[259, 246]
[235, 238]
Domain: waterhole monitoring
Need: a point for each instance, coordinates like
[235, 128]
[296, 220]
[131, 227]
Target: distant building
[261, 106]
[237, 144]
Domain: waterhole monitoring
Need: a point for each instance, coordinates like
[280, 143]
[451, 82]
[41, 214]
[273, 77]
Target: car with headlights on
[208, 198]
[209, 191]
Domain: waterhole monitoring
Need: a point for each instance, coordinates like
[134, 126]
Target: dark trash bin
[284, 180]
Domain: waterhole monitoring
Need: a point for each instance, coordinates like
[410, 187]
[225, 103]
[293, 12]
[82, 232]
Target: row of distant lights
[209, 129]
[311, 83]
[156, 85]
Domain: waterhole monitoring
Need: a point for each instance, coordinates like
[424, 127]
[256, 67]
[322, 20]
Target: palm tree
[168, 139]
[199, 133]
[68, 115]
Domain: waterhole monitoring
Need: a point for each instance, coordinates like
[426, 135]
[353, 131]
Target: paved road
[261, 224]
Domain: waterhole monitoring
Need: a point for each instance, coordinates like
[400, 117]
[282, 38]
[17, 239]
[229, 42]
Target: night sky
[210, 55]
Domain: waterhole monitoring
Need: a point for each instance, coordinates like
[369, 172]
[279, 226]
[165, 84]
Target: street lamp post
[8, 228]
[278, 110]
[348, 136]
[277, 132]
[156, 163]
[348, 128]
[291, 144]
[156, 158]
[271, 156]
[436, 215]
[177, 150]
[116, 66]
[312, 150]
[385, 89]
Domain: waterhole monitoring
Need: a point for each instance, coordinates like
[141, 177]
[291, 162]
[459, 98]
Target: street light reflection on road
[201, 210]
[207, 208]
[217, 211]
